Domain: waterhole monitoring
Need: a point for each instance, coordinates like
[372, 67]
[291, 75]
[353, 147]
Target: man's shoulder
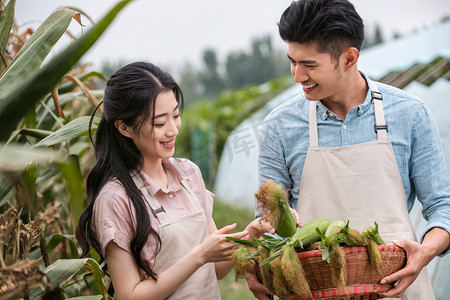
[391, 93]
[294, 105]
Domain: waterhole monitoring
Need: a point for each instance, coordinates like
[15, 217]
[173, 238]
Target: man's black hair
[333, 25]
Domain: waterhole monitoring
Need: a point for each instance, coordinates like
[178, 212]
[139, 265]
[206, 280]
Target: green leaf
[16, 158]
[6, 21]
[63, 271]
[269, 259]
[37, 133]
[15, 103]
[29, 178]
[69, 85]
[95, 297]
[242, 242]
[57, 238]
[69, 131]
[36, 49]
[71, 172]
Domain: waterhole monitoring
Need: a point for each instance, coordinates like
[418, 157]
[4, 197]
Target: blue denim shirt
[411, 129]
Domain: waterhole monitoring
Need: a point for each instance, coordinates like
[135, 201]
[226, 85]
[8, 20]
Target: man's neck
[352, 94]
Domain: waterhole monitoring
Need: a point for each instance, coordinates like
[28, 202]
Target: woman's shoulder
[112, 194]
[185, 167]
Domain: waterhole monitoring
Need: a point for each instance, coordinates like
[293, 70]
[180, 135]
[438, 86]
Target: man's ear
[350, 57]
[122, 128]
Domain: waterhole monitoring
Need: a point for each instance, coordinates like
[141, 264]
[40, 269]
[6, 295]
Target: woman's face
[159, 143]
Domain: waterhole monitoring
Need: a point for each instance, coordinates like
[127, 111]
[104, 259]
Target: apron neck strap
[185, 184]
[380, 123]
[157, 210]
[313, 137]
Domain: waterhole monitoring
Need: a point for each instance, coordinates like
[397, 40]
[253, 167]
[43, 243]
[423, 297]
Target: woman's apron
[360, 183]
[178, 237]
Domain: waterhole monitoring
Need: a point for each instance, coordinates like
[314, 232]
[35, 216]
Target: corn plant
[44, 155]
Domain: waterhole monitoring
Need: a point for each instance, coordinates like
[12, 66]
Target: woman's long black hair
[130, 96]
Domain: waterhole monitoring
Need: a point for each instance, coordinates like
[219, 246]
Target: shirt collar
[174, 178]
[324, 112]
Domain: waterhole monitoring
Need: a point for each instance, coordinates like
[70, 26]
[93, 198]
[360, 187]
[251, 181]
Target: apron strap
[380, 123]
[185, 184]
[313, 137]
[157, 210]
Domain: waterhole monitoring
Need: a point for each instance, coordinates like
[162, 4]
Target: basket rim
[351, 290]
[352, 249]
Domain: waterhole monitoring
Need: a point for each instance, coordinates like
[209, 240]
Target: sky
[170, 33]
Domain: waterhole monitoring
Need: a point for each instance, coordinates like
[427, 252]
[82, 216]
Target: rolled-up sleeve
[429, 175]
[112, 219]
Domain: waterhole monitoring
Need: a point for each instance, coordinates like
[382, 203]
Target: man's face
[317, 72]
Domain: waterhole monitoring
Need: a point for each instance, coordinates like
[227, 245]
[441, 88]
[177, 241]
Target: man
[351, 149]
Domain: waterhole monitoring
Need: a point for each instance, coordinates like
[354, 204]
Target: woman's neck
[157, 172]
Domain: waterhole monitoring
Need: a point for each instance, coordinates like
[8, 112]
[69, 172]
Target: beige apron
[360, 183]
[178, 237]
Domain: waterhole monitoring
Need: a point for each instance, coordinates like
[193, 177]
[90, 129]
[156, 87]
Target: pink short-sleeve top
[113, 217]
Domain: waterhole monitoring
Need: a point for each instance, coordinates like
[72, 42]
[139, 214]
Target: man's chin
[310, 98]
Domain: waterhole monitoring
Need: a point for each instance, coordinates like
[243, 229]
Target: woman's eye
[176, 116]
[159, 125]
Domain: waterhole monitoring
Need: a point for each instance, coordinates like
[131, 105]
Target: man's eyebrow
[302, 61]
[165, 114]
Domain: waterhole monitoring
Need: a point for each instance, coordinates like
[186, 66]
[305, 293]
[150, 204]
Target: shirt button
[361, 111]
[170, 196]
[324, 114]
[345, 127]
[331, 115]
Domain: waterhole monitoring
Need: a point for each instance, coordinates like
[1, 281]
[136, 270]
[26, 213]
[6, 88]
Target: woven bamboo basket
[363, 282]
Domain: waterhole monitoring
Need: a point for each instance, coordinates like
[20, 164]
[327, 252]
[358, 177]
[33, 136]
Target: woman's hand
[297, 217]
[258, 227]
[216, 247]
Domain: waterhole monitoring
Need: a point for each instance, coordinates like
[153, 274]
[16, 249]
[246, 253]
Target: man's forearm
[435, 242]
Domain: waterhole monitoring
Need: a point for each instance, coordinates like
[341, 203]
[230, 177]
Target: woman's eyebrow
[165, 114]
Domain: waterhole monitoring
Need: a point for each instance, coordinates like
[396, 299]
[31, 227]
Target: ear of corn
[371, 238]
[293, 272]
[241, 261]
[338, 267]
[309, 233]
[271, 202]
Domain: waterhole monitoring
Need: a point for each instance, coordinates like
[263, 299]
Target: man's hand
[414, 264]
[417, 257]
[258, 289]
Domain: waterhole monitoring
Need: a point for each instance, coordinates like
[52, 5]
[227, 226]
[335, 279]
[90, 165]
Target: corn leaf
[15, 103]
[37, 133]
[69, 85]
[242, 242]
[61, 272]
[69, 131]
[6, 21]
[36, 49]
[71, 172]
[95, 297]
[16, 158]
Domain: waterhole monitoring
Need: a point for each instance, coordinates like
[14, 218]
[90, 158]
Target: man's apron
[178, 237]
[360, 183]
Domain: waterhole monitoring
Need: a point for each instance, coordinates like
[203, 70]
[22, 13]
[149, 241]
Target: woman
[149, 215]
